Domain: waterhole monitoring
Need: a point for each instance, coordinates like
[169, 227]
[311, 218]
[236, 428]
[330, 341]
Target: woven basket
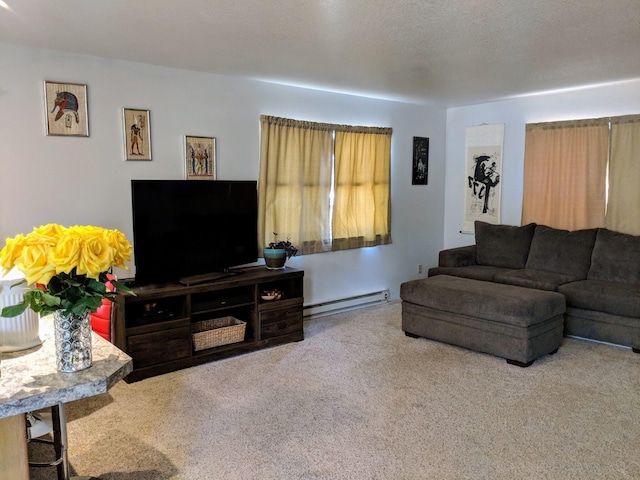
[218, 331]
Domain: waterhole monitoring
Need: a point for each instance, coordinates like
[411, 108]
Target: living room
[424, 218]
[433, 213]
[71, 180]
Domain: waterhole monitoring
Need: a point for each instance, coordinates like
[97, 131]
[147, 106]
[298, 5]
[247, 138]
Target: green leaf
[122, 287]
[79, 308]
[96, 286]
[48, 310]
[14, 310]
[33, 297]
[21, 282]
[50, 300]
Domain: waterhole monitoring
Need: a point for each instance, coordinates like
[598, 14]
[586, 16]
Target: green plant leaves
[71, 293]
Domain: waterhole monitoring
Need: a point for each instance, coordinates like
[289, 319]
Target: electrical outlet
[419, 268]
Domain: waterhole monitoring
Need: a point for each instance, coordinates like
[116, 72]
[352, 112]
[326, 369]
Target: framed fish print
[137, 134]
[66, 109]
[200, 158]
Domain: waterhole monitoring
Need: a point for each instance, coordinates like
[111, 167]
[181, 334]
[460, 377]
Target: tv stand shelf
[156, 326]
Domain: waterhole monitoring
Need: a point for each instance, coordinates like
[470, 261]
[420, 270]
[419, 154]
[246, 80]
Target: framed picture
[200, 158]
[137, 134]
[66, 109]
[420, 161]
[482, 178]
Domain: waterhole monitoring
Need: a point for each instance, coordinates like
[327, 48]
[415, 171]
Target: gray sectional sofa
[596, 270]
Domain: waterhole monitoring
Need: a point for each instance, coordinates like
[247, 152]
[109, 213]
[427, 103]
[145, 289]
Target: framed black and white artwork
[420, 174]
[482, 177]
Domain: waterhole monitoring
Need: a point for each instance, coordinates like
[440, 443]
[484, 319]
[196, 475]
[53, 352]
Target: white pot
[23, 331]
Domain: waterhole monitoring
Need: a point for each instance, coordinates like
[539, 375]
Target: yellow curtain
[623, 210]
[565, 169]
[361, 215]
[294, 183]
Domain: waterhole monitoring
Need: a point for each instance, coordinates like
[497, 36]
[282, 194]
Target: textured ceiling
[446, 52]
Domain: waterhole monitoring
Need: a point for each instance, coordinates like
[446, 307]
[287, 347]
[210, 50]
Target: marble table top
[30, 381]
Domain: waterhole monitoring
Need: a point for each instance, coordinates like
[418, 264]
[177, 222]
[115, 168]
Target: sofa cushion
[603, 296]
[475, 272]
[504, 246]
[530, 278]
[616, 257]
[606, 327]
[457, 256]
[562, 251]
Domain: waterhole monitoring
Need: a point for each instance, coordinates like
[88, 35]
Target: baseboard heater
[344, 304]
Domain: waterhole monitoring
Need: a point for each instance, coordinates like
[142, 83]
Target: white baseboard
[344, 304]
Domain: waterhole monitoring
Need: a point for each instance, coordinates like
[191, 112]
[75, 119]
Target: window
[325, 187]
[583, 174]
[565, 174]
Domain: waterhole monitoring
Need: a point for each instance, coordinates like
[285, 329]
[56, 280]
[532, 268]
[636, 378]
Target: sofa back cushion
[562, 251]
[505, 246]
[616, 257]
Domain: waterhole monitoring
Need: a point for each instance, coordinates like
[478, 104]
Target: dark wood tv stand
[156, 327]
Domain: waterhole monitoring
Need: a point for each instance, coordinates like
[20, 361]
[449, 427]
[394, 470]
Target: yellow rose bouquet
[67, 267]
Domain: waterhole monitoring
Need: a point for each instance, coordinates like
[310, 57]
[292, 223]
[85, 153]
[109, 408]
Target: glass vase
[73, 341]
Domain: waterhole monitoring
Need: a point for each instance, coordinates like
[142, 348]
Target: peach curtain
[361, 215]
[295, 183]
[623, 209]
[565, 171]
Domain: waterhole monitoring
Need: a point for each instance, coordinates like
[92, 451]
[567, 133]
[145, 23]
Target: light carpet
[357, 399]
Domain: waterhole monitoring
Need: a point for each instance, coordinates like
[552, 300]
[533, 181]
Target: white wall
[72, 180]
[619, 99]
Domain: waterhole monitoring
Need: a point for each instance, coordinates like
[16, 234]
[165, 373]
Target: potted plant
[66, 271]
[278, 252]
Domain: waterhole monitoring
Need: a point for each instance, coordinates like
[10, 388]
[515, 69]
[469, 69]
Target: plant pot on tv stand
[274, 258]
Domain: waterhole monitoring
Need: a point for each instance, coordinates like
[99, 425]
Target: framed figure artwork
[420, 161]
[137, 134]
[200, 158]
[66, 109]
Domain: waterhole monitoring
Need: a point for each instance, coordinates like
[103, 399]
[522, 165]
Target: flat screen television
[192, 231]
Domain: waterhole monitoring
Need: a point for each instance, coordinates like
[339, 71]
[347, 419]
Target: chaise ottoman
[516, 323]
